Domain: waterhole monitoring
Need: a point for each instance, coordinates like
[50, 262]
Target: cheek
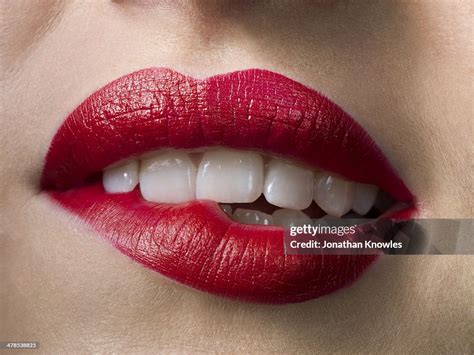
[26, 22]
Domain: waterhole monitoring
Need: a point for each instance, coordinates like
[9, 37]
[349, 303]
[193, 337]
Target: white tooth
[168, 177]
[364, 198]
[333, 195]
[230, 176]
[245, 216]
[227, 209]
[121, 178]
[287, 185]
[290, 218]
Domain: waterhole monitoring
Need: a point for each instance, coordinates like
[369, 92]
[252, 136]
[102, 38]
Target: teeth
[364, 198]
[287, 185]
[168, 177]
[122, 178]
[290, 218]
[227, 209]
[245, 216]
[334, 195]
[230, 176]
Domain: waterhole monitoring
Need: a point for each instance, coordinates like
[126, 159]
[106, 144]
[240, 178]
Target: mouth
[195, 179]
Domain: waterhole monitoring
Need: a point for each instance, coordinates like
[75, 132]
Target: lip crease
[196, 243]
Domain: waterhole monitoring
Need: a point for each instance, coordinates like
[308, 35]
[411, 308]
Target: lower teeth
[262, 213]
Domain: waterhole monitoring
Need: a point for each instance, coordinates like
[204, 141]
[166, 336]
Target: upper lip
[251, 109]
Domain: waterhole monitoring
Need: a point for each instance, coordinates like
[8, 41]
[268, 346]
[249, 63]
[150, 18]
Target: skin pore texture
[402, 69]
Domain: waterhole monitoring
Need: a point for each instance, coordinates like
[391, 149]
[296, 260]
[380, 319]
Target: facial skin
[402, 69]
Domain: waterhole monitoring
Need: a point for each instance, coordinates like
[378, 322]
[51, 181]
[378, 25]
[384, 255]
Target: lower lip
[183, 241]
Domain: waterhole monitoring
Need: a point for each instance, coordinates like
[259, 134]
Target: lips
[195, 243]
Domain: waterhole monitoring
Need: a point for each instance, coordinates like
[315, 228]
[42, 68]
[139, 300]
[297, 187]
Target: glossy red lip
[195, 243]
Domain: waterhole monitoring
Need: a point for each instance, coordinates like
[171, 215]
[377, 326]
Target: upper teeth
[121, 178]
[168, 177]
[288, 185]
[231, 176]
[334, 195]
[364, 198]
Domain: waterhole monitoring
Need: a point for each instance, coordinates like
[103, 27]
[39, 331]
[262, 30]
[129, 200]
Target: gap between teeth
[232, 176]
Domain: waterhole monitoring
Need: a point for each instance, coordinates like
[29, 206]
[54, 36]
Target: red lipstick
[196, 243]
